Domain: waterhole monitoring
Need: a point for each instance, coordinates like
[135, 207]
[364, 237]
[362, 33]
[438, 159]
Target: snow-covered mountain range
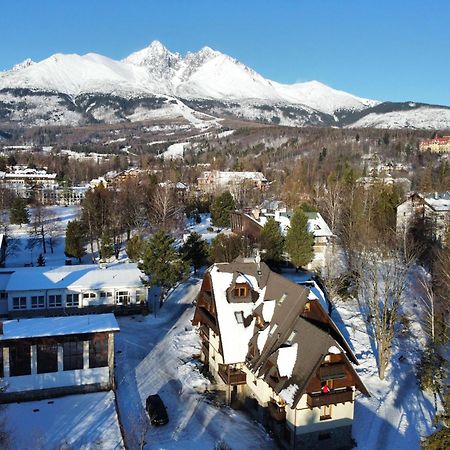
[154, 82]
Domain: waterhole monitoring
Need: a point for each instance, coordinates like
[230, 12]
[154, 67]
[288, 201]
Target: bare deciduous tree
[382, 283]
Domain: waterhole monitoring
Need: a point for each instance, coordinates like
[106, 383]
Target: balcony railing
[277, 412]
[208, 319]
[232, 376]
[332, 398]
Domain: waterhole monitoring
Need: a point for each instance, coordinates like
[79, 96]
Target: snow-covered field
[154, 355]
[85, 422]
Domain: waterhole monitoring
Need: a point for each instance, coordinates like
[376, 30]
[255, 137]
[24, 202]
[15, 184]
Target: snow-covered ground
[20, 238]
[174, 151]
[87, 421]
[202, 228]
[154, 355]
[398, 414]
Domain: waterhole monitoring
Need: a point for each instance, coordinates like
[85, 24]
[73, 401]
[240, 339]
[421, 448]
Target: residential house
[52, 356]
[251, 224]
[271, 345]
[432, 209]
[41, 291]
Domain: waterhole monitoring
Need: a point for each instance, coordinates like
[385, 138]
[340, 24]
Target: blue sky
[383, 49]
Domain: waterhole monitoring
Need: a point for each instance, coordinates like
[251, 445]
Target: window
[98, 351]
[273, 329]
[37, 301]
[122, 297]
[55, 301]
[3, 296]
[73, 355]
[283, 298]
[20, 359]
[19, 303]
[240, 291]
[47, 358]
[239, 316]
[102, 294]
[72, 300]
[140, 296]
[89, 295]
[291, 337]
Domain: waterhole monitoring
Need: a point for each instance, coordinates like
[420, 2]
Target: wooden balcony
[277, 412]
[332, 372]
[208, 319]
[332, 398]
[231, 375]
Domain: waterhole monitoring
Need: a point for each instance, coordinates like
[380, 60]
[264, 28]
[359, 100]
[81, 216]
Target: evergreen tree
[272, 241]
[134, 248]
[161, 263]
[221, 208]
[18, 212]
[195, 251]
[106, 246]
[41, 260]
[75, 239]
[299, 242]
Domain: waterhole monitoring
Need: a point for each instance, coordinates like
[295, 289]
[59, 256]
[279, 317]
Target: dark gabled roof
[313, 339]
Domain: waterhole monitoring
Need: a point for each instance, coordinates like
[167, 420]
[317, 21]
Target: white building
[434, 209]
[216, 180]
[38, 291]
[46, 357]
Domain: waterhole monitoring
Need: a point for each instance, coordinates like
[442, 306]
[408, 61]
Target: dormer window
[291, 337]
[283, 298]
[273, 329]
[240, 291]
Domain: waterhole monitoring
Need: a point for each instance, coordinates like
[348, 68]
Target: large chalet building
[433, 210]
[272, 347]
[436, 145]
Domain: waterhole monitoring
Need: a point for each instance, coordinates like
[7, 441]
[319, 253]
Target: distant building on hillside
[271, 345]
[53, 356]
[437, 144]
[71, 290]
[251, 224]
[216, 180]
[434, 209]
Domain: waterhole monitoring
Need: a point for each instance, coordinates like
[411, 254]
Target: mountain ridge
[202, 78]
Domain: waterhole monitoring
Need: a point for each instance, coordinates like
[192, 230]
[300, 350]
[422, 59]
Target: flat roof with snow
[87, 276]
[58, 326]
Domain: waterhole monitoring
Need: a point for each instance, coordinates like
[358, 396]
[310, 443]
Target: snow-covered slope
[423, 117]
[75, 89]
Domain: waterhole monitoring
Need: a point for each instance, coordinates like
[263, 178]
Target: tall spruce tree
[195, 251]
[299, 242]
[75, 240]
[106, 246]
[221, 208]
[272, 242]
[18, 212]
[161, 263]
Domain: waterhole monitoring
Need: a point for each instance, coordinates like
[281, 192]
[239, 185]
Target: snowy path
[156, 357]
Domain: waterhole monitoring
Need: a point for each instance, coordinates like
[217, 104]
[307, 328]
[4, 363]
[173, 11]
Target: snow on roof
[317, 225]
[287, 357]
[235, 336]
[288, 394]
[268, 309]
[262, 338]
[86, 276]
[58, 326]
